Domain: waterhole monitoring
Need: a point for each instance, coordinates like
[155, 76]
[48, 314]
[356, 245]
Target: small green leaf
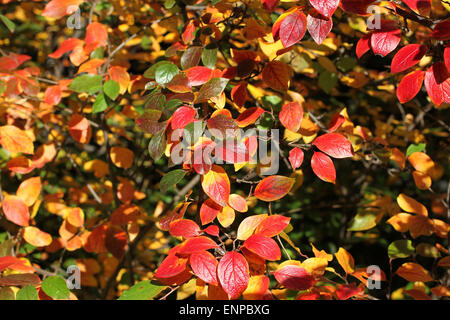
[346, 63]
[209, 57]
[27, 293]
[111, 88]
[327, 81]
[99, 104]
[168, 4]
[144, 290]
[165, 73]
[364, 220]
[415, 148]
[89, 83]
[6, 293]
[193, 131]
[55, 287]
[8, 23]
[400, 249]
[171, 178]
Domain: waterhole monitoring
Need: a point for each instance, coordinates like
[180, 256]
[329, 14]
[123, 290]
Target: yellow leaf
[410, 205]
[15, 140]
[346, 261]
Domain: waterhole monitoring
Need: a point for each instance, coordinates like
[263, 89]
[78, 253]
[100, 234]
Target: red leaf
[204, 266]
[264, 247]
[325, 7]
[188, 32]
[291, 116]
[356, 6]
[293, 28]
[323, 167]
[385, 40]
[233, 274]
[184, 228]
[66, 46]
[269, 5]
[249, 116]
[212, 231]
[13, 263]
[335, 145]
[442, 30]
[294, 277]
[273, 188]
[422, 7]
[232, 151]
[16, 210]
[53, 95]
[272, 225]
[171, 266]
[363, 45]
[447, 57]
[437, 83]
[296, 156]
[197, 244]
[407, 57]
[182, 117]
[198, 75]
[319, 27]
[239, 93]
[116, 241]
[336, 122]
[346, 291]
[209, 211]
[410, 86]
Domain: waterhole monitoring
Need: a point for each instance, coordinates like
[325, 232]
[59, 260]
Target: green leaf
[193, 131]
[89, 83]
[8, 23]
[144, 290]
[209, 57]
[346, 63]
[400, 249]
[415, 148]
[213, 88]
[427, 250]
[171, 178]
[168, 4]
[150, 72]
[165, 73]
[363, 221]
[27, 293]
[99, 104]
[111, 88]
[55, 287]
[157, 145]
[327, 81]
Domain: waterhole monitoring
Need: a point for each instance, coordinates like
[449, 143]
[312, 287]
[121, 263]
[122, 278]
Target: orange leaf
[346, 261]
[291, 116]
[216, 185]
[421, 162]
[226, 216]
[272, 225]
[422, 180]
[29, 190]
[15, 140]
[36, 237]
[413, 272]
[16, 210]
[238, 203]
[273, 188]
[76, 217]
[257, 287]
[80, 129]
[248, 225]
[122, 157]
[59, 8]
[410, 205]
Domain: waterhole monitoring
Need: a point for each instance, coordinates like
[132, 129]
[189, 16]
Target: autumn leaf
[294, 277]
[233, 274]
[264, 247]
[273, 188]
[216, 185]
[413, 272]
[15, 140]
[16, 210]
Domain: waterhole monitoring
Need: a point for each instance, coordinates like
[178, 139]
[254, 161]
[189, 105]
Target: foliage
[131, 134]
